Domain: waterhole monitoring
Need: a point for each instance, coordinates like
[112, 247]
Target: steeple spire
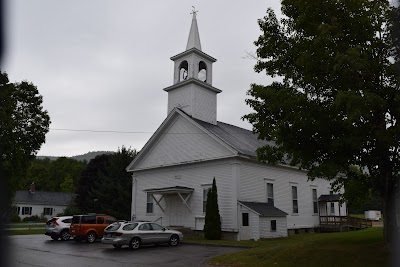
[194, 37]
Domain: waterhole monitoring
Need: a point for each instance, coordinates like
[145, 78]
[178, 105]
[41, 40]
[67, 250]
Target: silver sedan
[135, 234]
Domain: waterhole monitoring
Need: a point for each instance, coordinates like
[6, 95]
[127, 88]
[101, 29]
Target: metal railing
[158, 219]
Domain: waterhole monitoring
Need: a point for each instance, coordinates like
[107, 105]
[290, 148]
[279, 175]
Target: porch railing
[344, 221]
[158, 219]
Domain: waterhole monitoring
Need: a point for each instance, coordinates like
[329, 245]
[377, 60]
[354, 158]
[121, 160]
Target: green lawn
[357, 248]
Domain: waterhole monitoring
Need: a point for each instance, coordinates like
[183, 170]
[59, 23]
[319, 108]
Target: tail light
[55, 223]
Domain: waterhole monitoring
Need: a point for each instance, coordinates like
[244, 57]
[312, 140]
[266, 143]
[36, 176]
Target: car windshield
[113, 227]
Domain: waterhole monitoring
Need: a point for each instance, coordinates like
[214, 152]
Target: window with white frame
[332, 207]
[18, 210]
[47, 211]
[149, 204]
[315, 200]
[205, 194]
[26, 210]
[270, 193]
[295, 200]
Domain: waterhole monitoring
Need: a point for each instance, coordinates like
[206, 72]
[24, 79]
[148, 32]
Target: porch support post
[184, 200]
[319, 213]
[158, 202]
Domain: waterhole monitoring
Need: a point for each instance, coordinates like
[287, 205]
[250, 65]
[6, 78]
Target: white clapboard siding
[38, 209]
[253, 228]
[196, 176]
[194, 100]
[253, 179]
[182, 142]
[204, 105]
[265, 227]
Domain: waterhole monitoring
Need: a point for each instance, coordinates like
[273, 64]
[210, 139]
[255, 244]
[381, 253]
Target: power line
[97, 131]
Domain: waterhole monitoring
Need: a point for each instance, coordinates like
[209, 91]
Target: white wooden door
[176, 211]
[245, 227]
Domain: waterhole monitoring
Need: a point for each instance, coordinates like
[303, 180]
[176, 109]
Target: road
[40, 250]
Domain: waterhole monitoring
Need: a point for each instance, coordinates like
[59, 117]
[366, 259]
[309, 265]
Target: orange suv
[89, 226]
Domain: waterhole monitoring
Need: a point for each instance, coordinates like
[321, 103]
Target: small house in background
[40, 203]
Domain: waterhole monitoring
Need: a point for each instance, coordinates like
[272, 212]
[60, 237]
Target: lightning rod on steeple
[194, 11]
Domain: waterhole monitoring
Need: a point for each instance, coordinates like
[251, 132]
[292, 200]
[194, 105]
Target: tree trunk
[392, 223]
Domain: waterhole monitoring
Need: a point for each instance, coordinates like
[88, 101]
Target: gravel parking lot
[40, 250]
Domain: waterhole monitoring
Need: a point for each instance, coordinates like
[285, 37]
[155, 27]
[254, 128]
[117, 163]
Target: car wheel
[91, 237]
[54, 237]
[174, 240]
[135, 243]
[117, 246]
[64, 235]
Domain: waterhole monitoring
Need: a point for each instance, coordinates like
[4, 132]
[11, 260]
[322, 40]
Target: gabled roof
[160, 132]
[43, 198]
[238, 140]
[242, 140]
[264, 209]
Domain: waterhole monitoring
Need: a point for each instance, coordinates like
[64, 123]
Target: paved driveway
[40, 250]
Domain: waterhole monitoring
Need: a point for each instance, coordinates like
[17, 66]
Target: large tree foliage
[23, 126]
[105, 186]
[212, 225]
[60, 175]
[337, 104]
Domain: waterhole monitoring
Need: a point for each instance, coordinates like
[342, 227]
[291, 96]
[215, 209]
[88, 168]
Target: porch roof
[169, 190]
[329, 198]
[264, 209]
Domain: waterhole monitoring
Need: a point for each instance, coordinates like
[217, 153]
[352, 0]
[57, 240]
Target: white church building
[175, 169]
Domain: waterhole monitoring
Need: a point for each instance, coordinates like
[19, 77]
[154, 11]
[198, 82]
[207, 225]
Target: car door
[100, 226]
[146, 234]
[160, 236]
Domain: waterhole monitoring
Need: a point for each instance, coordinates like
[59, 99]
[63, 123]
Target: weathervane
[194, 11]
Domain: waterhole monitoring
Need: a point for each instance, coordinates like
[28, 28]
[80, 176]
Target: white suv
[58, 227]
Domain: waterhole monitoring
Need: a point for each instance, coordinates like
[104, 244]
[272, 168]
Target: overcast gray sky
[101, 65]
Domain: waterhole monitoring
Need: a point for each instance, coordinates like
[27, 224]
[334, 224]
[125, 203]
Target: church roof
[43, 198]
[194, 36]
[244, 141]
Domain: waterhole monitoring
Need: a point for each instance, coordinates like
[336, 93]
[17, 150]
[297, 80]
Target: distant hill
[88, 156]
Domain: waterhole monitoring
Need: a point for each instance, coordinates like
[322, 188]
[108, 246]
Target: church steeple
[192, 90]
[194, 36]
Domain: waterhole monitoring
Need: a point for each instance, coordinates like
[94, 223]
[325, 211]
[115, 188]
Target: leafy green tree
[212, 226]
[57, 175]
[337, 105]
[105, 185]
[68, 184]
[23, 126]
[96, 167]
[113, 189]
